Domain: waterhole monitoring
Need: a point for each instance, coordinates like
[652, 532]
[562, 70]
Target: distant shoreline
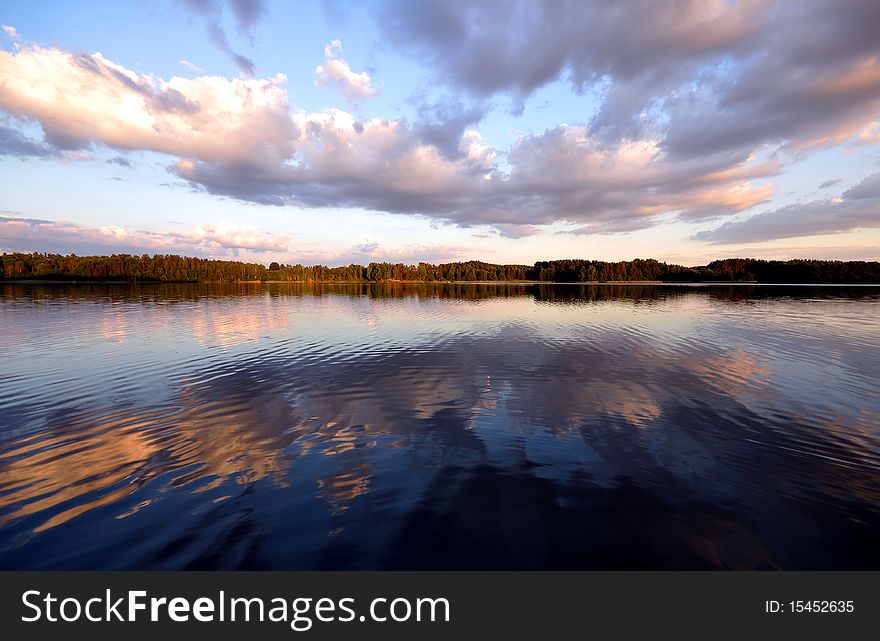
[126, 268]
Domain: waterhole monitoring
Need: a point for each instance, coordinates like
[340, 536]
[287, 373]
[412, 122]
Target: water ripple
[431, 426]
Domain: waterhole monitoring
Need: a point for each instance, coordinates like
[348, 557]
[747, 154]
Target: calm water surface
[498, 426]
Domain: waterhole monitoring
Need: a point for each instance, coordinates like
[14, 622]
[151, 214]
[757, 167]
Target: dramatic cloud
[814, 80]
[515, 46]
[857, 208]
[32, 234]
[336, 73]
[701, 76]
[242, 138]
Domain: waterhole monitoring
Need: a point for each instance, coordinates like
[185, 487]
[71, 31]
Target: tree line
[182, 269]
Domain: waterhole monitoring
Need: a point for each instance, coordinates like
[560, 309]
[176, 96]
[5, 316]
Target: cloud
[246, 14]
[371, 251]
[119, 160]
[516, 46]
[787, 94]
[81, 100]
[868, 189]
[10, 31]
[559, 175]
[830, 183]
[218, 37]
[242, 138]
[34, 221]
[336, 73]
[871, 133]
[701, 76]
[228, 236]
[14, 143]
[509, 230]
[857, 208]
[192, 67]
[442, 124]
[32, 234]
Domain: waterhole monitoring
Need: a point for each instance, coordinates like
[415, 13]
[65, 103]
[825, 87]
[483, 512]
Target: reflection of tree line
[541, 292]
[170, 268]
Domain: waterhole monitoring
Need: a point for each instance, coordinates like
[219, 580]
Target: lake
[497, 426]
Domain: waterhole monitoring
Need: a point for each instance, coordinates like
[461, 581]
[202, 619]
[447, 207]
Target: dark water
[499, 426]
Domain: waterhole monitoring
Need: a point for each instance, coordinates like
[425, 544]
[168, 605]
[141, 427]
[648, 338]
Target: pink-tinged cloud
[856, 208]
[242, 138]
[34, 234]
[368, 252]
[191, 66]
[702, 76]
[336, 73]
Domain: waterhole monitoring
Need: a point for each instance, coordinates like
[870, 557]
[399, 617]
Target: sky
[508, 131]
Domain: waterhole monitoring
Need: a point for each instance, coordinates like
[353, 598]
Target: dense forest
[170, 268]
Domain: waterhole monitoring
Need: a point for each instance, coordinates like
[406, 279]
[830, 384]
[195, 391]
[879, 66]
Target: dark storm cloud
[857, 208]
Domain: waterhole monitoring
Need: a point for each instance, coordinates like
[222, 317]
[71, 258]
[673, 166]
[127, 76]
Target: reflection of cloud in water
[230, 323]
[339, 489]
[114, 326]
[46, 474]
[560, 436]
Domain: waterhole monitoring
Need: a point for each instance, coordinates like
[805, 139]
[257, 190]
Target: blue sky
[499, 130]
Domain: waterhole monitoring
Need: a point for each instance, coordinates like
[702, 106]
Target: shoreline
[678, 283]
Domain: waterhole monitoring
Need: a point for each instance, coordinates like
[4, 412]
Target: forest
[181, 269]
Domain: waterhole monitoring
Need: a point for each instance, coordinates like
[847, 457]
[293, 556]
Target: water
[416, 427]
